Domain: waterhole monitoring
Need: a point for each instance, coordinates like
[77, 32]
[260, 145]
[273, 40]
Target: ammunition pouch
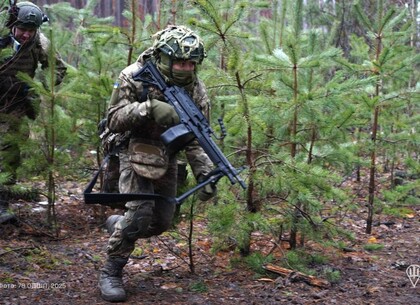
[148, 160]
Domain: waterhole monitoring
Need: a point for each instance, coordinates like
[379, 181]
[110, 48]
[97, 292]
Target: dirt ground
[39, 268]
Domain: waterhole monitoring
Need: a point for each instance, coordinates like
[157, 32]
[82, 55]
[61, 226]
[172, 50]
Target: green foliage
[333, 276]
[5, 178]
[303, 261]
[8, 278]
[298, 260]
[373, 247]
[16, 192]
[389, 56]
[220, 25]
[199, 286]
[231, 226]
[39, 257]
[405, 194]
[256, 261]
[137, 252]
[397, 211]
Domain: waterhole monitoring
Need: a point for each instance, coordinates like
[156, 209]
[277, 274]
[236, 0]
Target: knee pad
[111, 222]
[138, 227]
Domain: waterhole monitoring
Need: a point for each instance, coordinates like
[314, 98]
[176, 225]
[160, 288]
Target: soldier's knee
[159, 228]
[138, 226]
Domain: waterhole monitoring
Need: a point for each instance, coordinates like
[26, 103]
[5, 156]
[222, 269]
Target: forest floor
[37, 267]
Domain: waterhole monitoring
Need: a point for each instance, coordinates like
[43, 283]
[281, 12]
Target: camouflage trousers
[143, 218]
[10, 137]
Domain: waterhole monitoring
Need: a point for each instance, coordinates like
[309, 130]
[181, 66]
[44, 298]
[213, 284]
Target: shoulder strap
[108, 198]
[144, 93]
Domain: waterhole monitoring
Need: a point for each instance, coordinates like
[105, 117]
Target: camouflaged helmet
[29, 15]
[179, 42]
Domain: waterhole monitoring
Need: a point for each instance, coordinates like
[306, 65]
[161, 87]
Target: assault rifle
[193, 124]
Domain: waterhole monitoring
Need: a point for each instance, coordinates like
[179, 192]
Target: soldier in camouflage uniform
[28, 47]
[145, 166]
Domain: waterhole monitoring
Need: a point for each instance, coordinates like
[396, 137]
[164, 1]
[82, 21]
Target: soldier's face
[183, 65]
[23, 35]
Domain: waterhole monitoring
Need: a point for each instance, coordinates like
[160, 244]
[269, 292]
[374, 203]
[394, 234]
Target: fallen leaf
[169, 286]
[372, 240]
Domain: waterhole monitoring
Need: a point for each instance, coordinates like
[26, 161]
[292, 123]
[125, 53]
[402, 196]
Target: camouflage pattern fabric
[14, 94]
[145, 218]
[10, 135]
[150, 161]
[15, 99]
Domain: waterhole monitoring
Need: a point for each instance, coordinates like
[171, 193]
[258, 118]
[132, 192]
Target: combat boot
[111, 222]
[5, 214]
[110, 280]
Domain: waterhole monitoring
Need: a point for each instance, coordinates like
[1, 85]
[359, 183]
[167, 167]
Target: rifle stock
[193, 123]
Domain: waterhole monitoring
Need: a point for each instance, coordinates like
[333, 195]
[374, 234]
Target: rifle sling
[107, 198]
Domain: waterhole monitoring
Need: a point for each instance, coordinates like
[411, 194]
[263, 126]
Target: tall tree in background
[223, 34]
[389, 59]
[310, 113]
[221, 28]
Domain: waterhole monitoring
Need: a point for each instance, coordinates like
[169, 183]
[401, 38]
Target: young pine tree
[389, 61]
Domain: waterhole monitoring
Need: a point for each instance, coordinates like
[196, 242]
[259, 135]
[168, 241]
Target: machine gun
[193, 125]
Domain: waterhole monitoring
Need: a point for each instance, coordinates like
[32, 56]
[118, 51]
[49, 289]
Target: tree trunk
[372, 173]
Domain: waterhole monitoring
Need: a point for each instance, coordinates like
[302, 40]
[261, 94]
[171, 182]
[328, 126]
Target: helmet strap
[171, 62]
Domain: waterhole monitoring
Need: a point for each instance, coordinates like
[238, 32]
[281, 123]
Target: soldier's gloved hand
[163, 113]
[207, 192]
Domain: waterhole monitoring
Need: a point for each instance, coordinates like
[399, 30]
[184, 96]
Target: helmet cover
[179, 42]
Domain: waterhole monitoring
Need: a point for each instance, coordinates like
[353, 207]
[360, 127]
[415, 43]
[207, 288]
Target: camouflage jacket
[124, 114]
[13, 91]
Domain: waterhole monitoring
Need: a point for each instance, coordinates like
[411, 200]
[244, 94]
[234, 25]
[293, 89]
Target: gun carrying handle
[222, 129]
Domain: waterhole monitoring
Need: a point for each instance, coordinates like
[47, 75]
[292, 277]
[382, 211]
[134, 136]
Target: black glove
[163, 113]
[206, 192]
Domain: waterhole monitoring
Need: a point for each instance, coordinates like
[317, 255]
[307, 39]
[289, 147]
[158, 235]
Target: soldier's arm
[200, 163]
[60, 69]
[60, 66]
[125, 111]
